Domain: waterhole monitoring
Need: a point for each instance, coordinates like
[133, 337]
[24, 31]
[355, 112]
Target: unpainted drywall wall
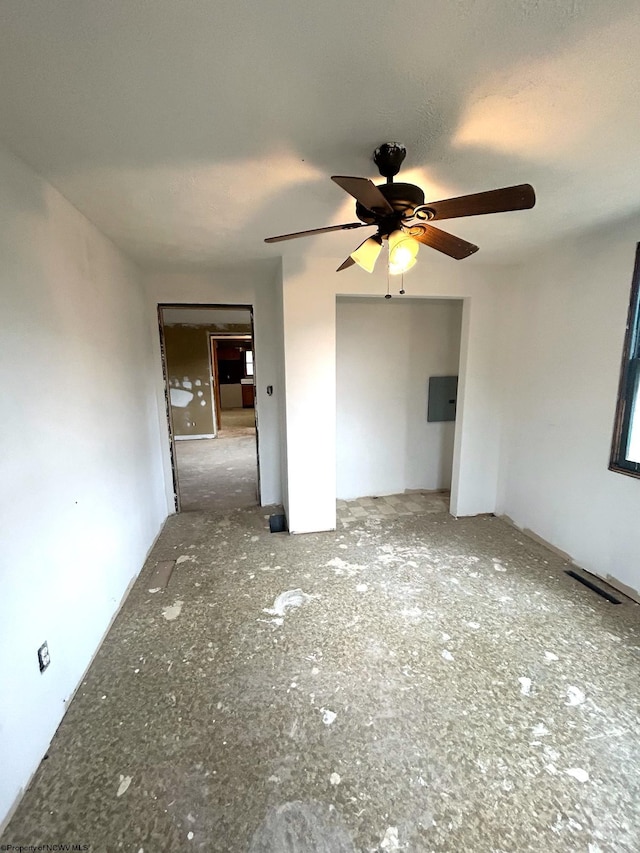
[189, 376]
[562, 349]
[188, 364]
[231, 396]
[82, 489]
[310, 288]
[255, 286]
[386, 352]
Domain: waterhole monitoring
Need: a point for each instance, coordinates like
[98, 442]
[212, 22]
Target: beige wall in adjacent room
[189, 377]
[188, 358]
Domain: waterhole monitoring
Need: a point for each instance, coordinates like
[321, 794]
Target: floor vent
[277, 524]
[593, 586]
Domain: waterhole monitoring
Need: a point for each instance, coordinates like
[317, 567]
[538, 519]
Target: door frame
[161, 306]
[214, 340]
[215, 379]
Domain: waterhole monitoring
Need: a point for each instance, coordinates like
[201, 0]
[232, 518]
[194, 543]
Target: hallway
[218, 474]
[406, 683]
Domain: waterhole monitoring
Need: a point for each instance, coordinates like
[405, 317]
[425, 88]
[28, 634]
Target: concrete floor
[414, 683]
[216, 474]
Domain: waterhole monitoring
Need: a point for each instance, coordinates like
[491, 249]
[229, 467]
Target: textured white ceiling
[188, 130]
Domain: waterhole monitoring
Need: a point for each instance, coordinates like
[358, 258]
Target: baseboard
[627, 591]
[425, 492]
[189, 437]
[67, 702]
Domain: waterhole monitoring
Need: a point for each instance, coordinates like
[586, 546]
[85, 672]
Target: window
[625, 453]
[248, 363]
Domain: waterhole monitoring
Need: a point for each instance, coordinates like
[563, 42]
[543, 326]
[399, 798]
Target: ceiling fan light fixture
[403, 252]
[367, 253]
[399, 212]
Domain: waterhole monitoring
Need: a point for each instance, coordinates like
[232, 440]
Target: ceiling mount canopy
[403, 218]
[388, 158]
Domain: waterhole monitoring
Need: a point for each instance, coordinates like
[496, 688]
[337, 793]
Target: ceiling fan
[400, 214]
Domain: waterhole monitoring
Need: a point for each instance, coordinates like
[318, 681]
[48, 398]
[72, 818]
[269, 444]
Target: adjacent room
[394, 428]
[320, 376]
[209, 372]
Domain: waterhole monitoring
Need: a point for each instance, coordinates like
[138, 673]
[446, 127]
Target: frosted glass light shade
[367, 253]
[403, 251]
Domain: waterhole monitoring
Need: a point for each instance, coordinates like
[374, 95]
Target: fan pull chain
[388, 293]
[402, 285]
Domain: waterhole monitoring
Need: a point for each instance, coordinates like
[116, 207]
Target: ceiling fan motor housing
[403, 198]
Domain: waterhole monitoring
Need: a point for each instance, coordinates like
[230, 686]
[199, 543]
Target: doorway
[392, 357]
[233, 383]
[208, 362]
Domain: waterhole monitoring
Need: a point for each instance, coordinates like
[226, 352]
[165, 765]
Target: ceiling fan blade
[521, 197]
[349, 262]
[438, 239]
[293, 236]
[364, 191]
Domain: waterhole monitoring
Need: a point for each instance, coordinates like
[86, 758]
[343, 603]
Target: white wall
[282, 389]
[386, 351]
[567, 311]
[255, 285]
[82, 493]
[310, 288]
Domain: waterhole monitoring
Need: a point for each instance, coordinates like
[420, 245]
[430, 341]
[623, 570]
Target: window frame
[628, 380]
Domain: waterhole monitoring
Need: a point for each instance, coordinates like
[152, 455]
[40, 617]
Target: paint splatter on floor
[301, 827]
[390, 840]
[172, 611]
[123, 787]
[525, 685]
[328, 717]
[287, 600]
[575, 696]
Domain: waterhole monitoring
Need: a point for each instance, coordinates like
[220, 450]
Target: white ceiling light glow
[403, 252]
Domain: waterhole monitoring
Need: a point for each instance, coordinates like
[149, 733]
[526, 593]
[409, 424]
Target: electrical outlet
[43, 657]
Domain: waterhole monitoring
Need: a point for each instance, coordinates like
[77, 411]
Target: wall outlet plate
[43, 657]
